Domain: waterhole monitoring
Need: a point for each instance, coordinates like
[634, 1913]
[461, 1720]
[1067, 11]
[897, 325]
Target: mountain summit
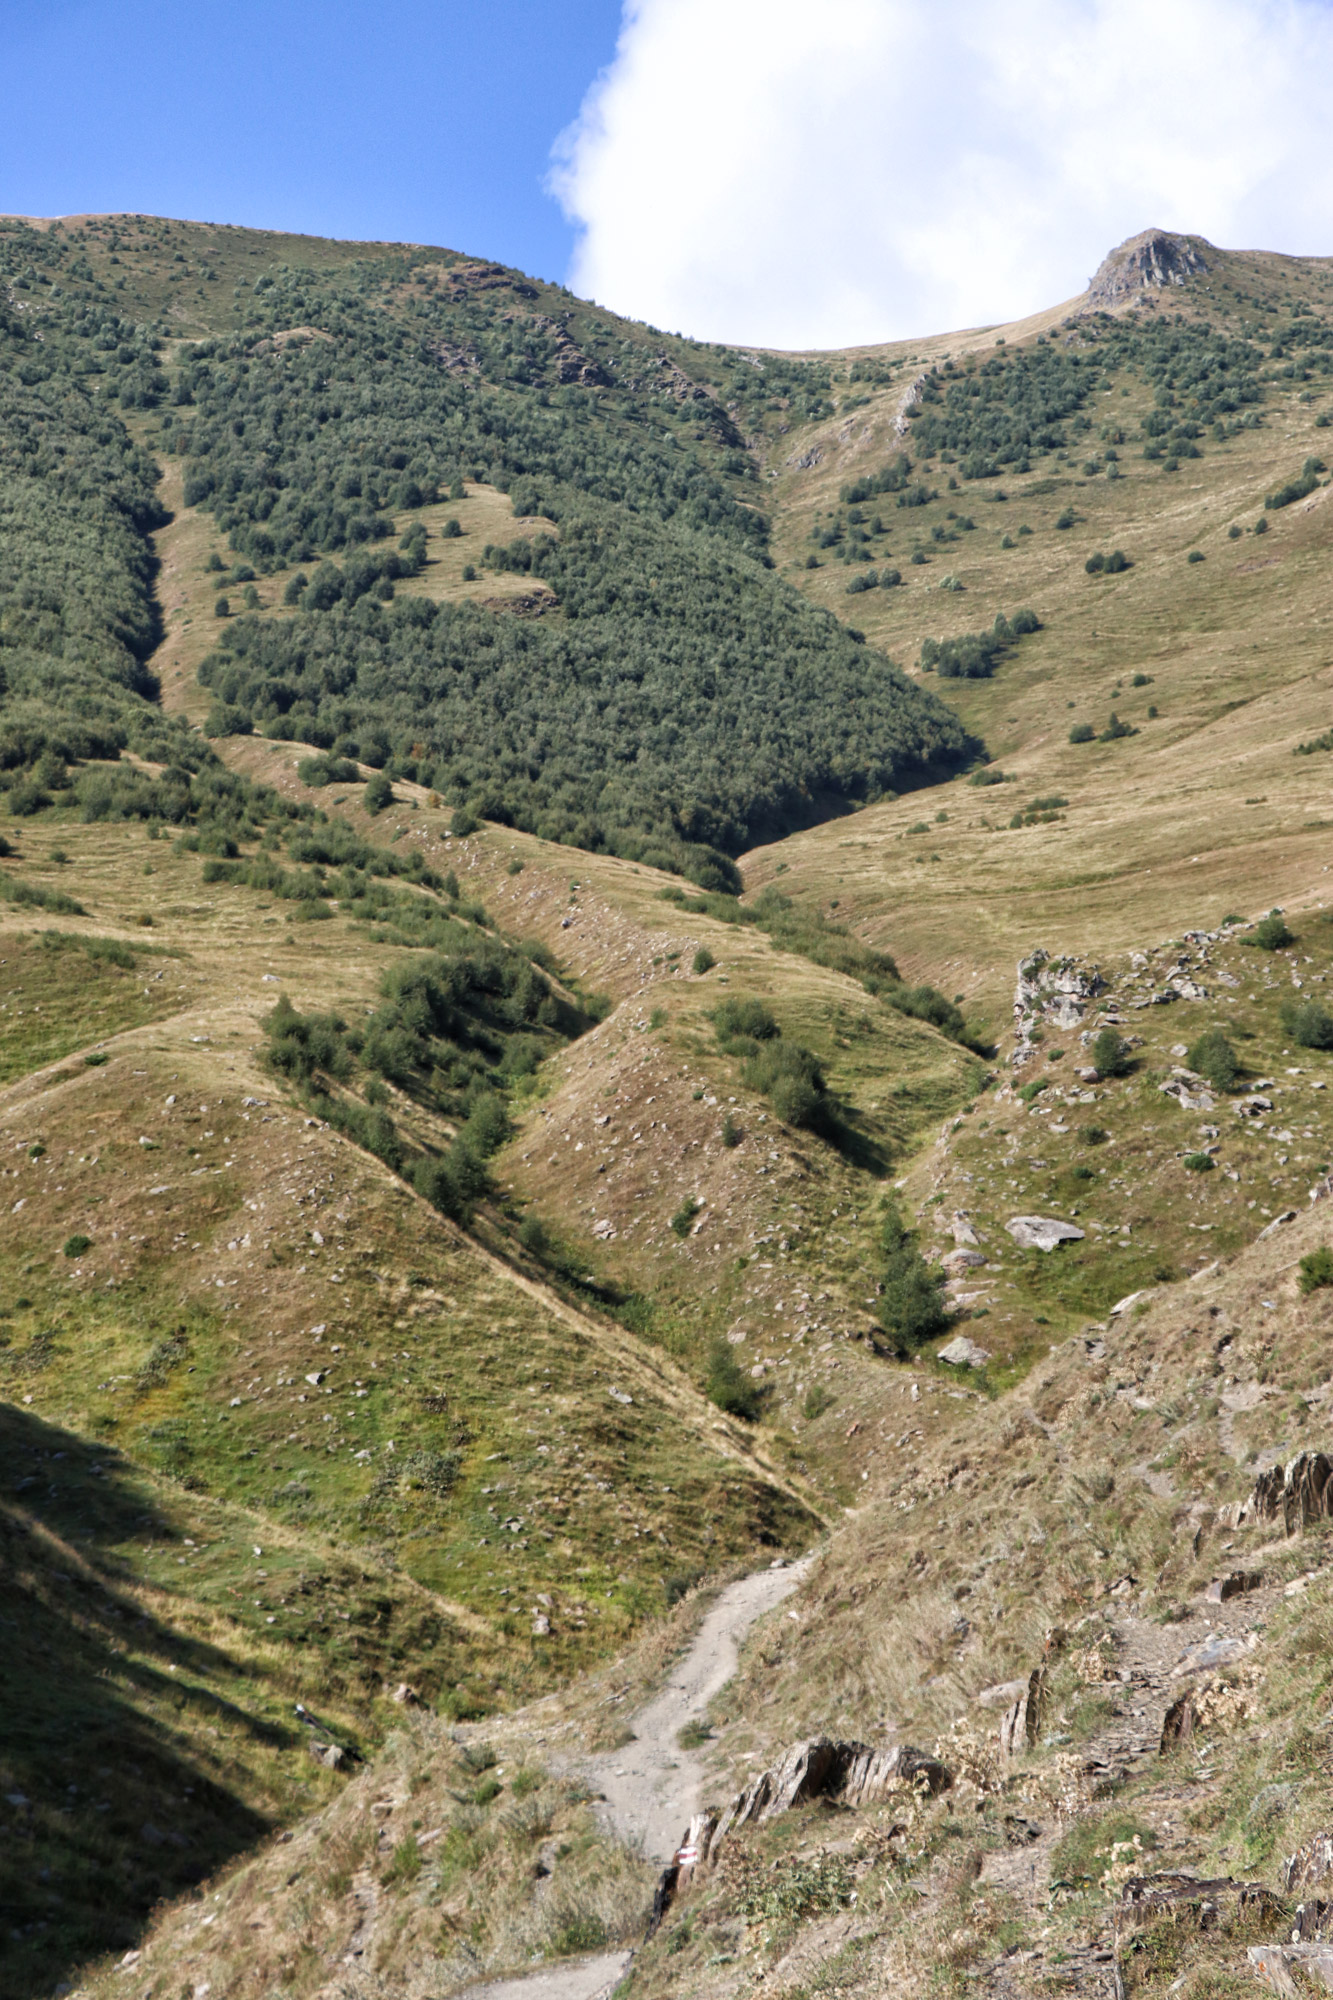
[1147, 262]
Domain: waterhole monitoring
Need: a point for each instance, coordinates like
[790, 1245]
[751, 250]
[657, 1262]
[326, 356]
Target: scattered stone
[331, 1755]
[963, 1260]
[406, 1696]
[1130, 1299]
[964, 1353]
[1042, 1232]
[1188, 1097]
[964, 1235]
[541, 1626]
[1278, 1222]
[1218, 1651]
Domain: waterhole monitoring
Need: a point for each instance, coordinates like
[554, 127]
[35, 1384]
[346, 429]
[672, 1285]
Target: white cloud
[799, 174]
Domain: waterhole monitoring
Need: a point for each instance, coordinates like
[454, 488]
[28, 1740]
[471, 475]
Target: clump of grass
[817, 1401]
[683, 1220]
[1199, 1163]
[694, 1734]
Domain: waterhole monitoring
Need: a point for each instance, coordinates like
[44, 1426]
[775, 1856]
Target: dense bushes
[976, 655]
[911, 1301]
[784, 1072]
[1297, 489]
[453, 1031]
[681, 707]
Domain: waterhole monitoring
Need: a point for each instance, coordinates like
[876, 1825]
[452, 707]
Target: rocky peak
[1147, 262]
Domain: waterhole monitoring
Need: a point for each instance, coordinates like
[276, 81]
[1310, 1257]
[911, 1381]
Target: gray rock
[964, 1353]
[1042, 1232]
[1278, 1222]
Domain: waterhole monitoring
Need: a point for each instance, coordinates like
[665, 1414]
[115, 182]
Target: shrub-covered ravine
[681, 701]
[677, 702]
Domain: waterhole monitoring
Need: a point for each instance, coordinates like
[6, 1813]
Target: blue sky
[425, 120]
[772, 171]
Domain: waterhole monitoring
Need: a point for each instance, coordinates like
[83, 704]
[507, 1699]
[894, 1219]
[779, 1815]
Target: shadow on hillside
[104, 1808]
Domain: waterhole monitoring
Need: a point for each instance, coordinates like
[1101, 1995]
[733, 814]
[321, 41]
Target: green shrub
[683, 1219]
[378, 794]
[1271, 933]
[1115, 729]
[728, 1386]
[76, 1245]
[1195, 556]
[731, 1131]
[1316, 1270]
[703, 960]
[327, 770]
[911, 1305]
[1199, 1163]
[464, 823]
[222, 608]
[1309, 1024]
[1213, 1057]
[1082, 732]
[744, 1021]
[1110, 1053]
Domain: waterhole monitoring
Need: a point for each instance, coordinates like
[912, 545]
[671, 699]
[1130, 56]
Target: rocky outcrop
[1148, 262]
[855, 1774]
[1051, 990]
[1020, 1725]
[1041, 1232]
[1295, 1494]
[1311, 1864]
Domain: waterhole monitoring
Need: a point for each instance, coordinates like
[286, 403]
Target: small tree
[1213, 1056]
[378, 794]
[704, 960]
[1271, 933]
[1110, 1053]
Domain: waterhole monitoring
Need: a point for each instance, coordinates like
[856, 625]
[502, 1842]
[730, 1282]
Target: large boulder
[1042, 1232]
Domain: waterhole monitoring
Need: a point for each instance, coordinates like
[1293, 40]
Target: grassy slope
[946, 1475]
[1206, 810]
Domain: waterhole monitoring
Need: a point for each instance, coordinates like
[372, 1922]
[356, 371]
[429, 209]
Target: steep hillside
[469, 1201]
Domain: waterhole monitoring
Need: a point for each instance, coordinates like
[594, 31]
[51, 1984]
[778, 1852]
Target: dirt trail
[585, 1979]
[652, 1786]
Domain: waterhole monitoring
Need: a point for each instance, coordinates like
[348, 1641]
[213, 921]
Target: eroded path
[651, 1787]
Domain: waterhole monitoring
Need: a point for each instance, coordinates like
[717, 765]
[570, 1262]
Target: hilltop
[564, 891]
